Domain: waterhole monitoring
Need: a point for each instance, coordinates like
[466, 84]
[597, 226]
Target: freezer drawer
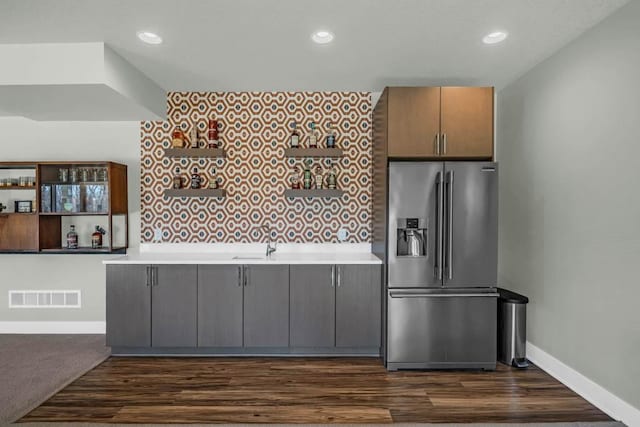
[437, 330]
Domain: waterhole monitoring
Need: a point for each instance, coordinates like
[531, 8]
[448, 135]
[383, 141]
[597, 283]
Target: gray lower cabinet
[174, 302]
[128, 306]
[266, 306]
[313, 302]
[278, 306]
[358, 306]
[220, 300]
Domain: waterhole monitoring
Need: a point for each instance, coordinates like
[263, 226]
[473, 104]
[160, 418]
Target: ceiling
[265, 45]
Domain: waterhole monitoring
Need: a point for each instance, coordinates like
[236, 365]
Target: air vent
[44, 299]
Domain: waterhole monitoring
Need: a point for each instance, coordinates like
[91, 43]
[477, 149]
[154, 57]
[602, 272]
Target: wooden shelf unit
[41, 232]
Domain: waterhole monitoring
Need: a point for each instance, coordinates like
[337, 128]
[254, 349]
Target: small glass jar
[63, 175]
[74, 174]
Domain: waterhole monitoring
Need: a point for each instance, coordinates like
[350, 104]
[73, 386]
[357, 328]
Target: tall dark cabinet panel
[174, 306]
[220, 299]
[128, 306]
[312, 306]
[358, 306]
[266, 306]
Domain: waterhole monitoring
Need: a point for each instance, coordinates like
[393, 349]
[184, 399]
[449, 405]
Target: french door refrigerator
[442, 265]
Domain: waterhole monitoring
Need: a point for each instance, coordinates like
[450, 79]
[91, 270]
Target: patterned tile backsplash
[254, 131]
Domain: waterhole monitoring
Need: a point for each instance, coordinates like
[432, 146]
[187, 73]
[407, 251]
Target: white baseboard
[597, 395]
[52, 327]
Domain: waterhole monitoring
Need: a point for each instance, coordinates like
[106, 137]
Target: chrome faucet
[267, 229]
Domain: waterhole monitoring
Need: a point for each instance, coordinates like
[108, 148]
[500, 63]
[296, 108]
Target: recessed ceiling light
[322, 37]
[149, 37]
[495, 37]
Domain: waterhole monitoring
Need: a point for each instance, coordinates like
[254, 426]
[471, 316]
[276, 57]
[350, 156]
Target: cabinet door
[312, 306]
[467, 122]
[18, 232]
[358, 305]
[174, 306]
[414, 121]
[266, 306]
[220, 306]
[128, 305]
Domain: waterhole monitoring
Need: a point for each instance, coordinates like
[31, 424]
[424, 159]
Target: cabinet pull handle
[239, 276]
[246, 274]
[338, 275]
[437, 144]
[148, 270]
[444, 143]
[333, 275]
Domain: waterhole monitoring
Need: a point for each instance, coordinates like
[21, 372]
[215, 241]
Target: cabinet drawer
[441, 329]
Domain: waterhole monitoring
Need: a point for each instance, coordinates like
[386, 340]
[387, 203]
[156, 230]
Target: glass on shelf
[63, 175]
[68, 199]
[96, 198]
[80, 198]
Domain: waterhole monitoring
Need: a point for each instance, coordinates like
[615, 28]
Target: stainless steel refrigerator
[441, 265]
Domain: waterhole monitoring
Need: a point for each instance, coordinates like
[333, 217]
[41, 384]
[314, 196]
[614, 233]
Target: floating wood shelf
[17, 187]
[188, 192]
[195, 152]
[74, 213]
[313, 152]
[84, 251]
[325, 192]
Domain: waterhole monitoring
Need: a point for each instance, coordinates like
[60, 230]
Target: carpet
[35, 367]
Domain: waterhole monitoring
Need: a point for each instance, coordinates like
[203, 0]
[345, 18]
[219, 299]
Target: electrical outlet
[157, 235]
[342, 235]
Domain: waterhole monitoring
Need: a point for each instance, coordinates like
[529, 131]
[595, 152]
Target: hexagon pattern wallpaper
[254, 130]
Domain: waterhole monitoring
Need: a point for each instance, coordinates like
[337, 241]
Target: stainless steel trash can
[512, 328]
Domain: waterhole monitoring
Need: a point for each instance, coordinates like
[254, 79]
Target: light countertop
[247, 258]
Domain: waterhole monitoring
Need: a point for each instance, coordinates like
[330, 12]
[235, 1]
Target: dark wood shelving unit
[188, 192]
[313, 152]
[195, 152]
[324, 192]
[41, 232]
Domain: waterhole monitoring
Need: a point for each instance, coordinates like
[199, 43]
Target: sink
[248, 257]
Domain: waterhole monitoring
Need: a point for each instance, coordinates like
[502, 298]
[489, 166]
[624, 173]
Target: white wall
[23, 139]
[569, 151]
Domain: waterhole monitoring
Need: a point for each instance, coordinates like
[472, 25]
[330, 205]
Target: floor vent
[44, 299]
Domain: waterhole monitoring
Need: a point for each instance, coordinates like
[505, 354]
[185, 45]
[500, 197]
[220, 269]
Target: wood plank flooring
[307, 390]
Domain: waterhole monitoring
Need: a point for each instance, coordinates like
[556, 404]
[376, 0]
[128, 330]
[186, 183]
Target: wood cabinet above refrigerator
[438, 122]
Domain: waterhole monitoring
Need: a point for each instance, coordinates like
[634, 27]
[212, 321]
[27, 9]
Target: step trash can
[512, 328]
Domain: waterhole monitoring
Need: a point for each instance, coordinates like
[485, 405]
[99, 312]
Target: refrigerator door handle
[439, 237]
[431, 295]
[450, 224]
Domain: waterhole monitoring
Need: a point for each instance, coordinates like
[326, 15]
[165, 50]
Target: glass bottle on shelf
[196, 180]
[72, 238]
[331, 137]
[332, 179]
[178, 180]
[294, 140]
[295, 178]
[306, 176]
[96, 238]
[313, 136]
[318, 177]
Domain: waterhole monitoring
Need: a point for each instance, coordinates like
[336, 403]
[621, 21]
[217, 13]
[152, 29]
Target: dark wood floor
[305, 390]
